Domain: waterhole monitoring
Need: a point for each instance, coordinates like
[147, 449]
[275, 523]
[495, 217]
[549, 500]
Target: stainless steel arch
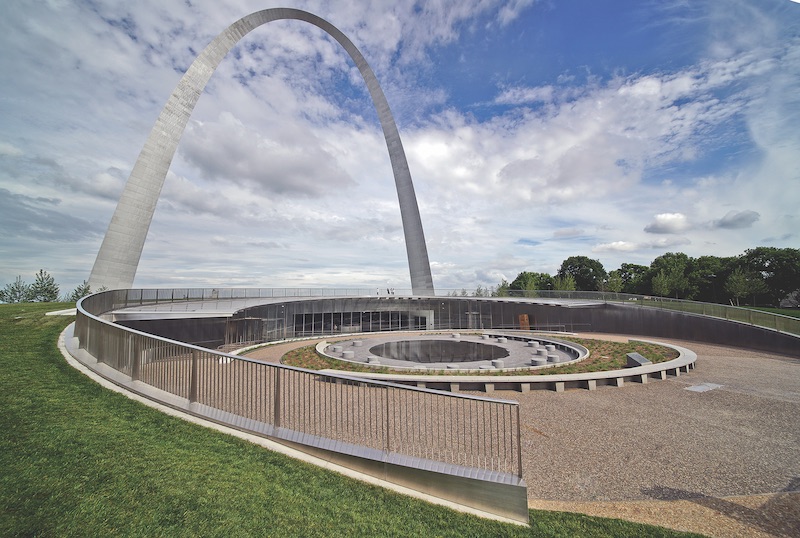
[118, 258]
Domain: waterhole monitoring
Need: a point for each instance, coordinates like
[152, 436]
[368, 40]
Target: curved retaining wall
[688, 326]
[557, 382]
[472, 313]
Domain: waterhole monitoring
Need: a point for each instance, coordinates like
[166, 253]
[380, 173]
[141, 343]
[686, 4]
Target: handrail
[322, 410]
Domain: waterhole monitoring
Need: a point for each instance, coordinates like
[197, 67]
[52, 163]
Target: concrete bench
[634, 360]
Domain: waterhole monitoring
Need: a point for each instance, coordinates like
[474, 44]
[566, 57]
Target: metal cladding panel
[686, 326]
[118, 258]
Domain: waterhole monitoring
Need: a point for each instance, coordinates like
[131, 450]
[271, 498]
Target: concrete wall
[470, 313]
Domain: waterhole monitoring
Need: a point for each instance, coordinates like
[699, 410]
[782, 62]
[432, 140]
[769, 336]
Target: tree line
[762, 276]
[43, 290]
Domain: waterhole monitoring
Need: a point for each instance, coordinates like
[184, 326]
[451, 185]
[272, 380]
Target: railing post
[386, 441]
[137, 359]
[194, 376]
[277, 397]
[519, 443]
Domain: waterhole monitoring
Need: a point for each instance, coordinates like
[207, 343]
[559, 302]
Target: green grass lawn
[791, 312]
[79, 460]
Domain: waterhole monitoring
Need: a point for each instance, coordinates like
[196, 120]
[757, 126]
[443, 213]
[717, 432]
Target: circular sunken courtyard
[455, 352]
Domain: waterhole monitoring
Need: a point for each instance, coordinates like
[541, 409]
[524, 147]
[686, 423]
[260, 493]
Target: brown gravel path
[725, 462]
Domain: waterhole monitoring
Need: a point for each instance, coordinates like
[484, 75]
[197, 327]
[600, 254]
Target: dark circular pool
[429, 351]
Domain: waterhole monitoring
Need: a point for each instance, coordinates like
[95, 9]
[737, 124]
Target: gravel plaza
[712, 451]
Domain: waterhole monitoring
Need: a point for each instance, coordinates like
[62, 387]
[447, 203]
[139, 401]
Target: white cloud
[9, 150]
[523, 96]
[284, 166]
[626, 246]
[668, 223]
[289, 162]
[617, 246]
[512, 10]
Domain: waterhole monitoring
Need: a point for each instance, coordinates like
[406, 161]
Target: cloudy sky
[534, 129]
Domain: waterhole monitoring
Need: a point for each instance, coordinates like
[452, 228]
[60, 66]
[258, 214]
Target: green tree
[18, 292]
[633, 278]
[660, 284]
[530, 281]
[674, 266]
[82, 290]
[44, 289]
[780, 268]
[707, 276]
[588, 274]
[742, 283]
[614, 282]
[564, 283]
[501, 290]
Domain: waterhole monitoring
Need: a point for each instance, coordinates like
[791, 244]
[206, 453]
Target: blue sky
[534, 130]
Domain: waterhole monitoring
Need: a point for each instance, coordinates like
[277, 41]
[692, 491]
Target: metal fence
[357, 416]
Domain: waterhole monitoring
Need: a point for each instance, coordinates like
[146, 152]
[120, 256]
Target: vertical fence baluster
[519, 444]
[276, 394]
[194, 376]
[137, 358]
[386, 443]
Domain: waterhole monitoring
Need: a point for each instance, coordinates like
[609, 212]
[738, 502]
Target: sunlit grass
[791, 312]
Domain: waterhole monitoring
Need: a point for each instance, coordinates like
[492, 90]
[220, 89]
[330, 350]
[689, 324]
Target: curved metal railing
[412, 426]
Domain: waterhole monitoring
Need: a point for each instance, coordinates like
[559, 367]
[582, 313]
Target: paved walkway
[722, 459]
